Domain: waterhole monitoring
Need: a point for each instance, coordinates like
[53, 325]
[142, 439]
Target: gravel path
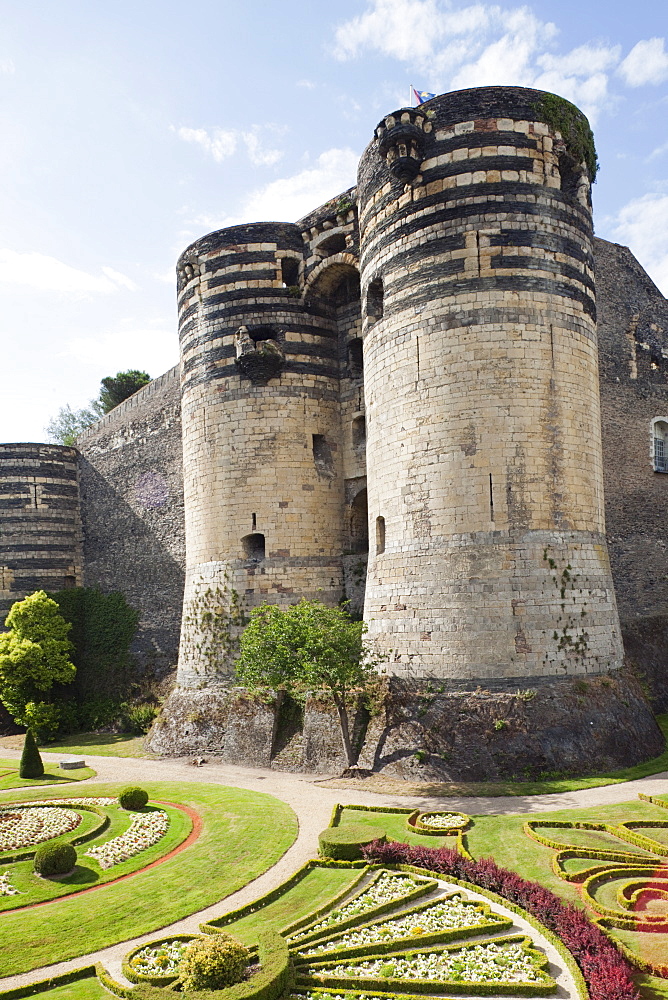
[313, 805]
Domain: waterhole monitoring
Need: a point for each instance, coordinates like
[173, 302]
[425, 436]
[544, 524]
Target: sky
[130, 129]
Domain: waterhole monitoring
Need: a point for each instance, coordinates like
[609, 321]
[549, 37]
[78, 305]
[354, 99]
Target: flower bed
[26, 826]
[145, 830]
[385, 888]
[157, 963]
[6, 887]
[507, 961]
[607, 974]
[437, 921]
[443, 822]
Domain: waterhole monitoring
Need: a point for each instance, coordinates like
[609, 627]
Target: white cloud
[307, 84]
[7, 66]
[48, 274]
[288, 198]
[647, 62]
[479, 45]
[642, 224]
[223, 143]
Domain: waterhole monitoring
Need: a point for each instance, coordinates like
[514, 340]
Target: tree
[67, 424]
[116, 388]
[34, 655]
[31, 765]
[306, 645]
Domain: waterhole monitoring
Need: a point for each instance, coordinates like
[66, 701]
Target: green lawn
[99, 744]
[394, 825]
[9, 775]
[81, 989]
[233, 849]
[317, 886]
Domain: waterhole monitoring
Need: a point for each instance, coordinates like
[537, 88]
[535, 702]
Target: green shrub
[344, 843]
[132, 798]
[137, 719]
[31, 765]
[54, 858]
[213, 963]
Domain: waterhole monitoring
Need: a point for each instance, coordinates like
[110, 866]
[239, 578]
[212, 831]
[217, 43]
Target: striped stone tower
[481, 384]
[262, 478]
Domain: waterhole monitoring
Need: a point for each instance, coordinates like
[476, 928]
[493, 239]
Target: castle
[412, 400]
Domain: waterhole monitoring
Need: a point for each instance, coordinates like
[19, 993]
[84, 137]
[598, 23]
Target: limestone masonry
[396, 401]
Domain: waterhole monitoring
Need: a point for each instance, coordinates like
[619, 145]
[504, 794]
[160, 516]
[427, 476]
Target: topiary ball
[211, 963]
[54, 859]
[344, 843]
[133, 798]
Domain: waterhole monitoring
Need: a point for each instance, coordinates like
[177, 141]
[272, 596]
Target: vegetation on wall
[306, 646]
[564, 117]
[67, 424]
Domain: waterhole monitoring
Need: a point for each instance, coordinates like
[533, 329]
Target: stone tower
[481, 382]
[263, 487]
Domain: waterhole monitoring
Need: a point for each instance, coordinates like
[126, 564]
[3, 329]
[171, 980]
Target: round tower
[40, 528]
[481, 381]
[261, 424]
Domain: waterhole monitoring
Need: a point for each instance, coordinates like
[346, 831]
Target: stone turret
[481, 382]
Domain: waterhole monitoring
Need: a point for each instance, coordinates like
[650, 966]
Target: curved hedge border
[408, 813]
[661, 803]
[214, 926]
[275, 977]
[137, 977]
[435, 937]
[428, 986]
[344, 843]
[606, 972]
[95, 831]
[415, 824]
[640, 963]
[621, 919]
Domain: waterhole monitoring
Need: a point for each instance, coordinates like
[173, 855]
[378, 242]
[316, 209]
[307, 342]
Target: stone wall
[40, 530]
[130, 470]
[633, 338]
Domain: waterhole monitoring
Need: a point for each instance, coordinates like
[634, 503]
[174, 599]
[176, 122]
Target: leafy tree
[67, 424]
[116, 388]
[34, 655]
[306, 645]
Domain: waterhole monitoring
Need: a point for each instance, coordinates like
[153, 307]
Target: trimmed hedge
[132, 798]
[643, 964]
[606, 973]
[421, 889]
[54, 859]
[344, 843]
[32, 989]
[31, 765]
[426, 986]
[391, 944]
[213, 926]
[415, 824]
[137, 977]
[661, 803]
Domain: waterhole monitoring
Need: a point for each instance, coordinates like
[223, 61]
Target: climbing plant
[564, 117]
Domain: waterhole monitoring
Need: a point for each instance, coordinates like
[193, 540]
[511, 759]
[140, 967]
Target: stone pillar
[481, 383]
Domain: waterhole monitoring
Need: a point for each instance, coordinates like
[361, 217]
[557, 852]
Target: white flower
[385, 889]
[159, 960]
[28, 825]
[6, 887]
[144, 831]
[443, 821]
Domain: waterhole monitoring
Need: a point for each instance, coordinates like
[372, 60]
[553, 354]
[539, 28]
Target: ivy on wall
[564, 117]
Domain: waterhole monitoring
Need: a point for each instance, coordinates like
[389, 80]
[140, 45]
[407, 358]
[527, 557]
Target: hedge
[643, 964]
[593, 882]
[606, 973]
[213, 926]
[12, 859]
[137, 977]
[414, 824]
[344, 843]
[420, 890]
[31, 989]
[662, 803]
[426, 986]
[435, 937]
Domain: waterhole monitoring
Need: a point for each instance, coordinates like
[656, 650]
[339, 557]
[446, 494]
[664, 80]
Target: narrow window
[69, 583]
[254, 522]
[660, 445]
[380, 535]
[374, 300]
[359, 524]
[355, 357]
[289, 272]
[322, 455]
[253, 546]
[359, 434]
[258, 333]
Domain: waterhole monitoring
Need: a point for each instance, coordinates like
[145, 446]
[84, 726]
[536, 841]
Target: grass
[82, 989]
[394, 825]
[79, 744]
[9, 775]
[232, 850]
[391, 786]
[87, 871]
[318, 885]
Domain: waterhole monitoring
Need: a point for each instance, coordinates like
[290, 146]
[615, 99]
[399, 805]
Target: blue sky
[131, 128]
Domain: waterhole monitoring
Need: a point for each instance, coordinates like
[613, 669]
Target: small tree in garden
[31, 765]
[34, 655]
[306, 646]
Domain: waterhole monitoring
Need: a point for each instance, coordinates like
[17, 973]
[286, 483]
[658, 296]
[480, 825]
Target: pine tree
[31, 765]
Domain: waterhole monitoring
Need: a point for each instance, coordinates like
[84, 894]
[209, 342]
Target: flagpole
[410, 95]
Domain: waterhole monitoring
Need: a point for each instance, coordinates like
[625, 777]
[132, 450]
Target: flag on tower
[422, 95]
